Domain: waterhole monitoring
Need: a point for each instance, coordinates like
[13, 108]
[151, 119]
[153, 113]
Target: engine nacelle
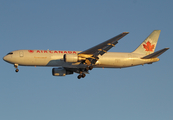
[60, 72]
[72, 58]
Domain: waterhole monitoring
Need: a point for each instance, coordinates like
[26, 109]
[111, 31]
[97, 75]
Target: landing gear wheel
[90, 67]
[87, 68]
[79, 76]
[83, 75]
[17, 70]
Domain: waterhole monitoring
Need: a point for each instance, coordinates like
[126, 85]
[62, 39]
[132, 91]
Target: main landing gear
[89, 68]
[82, 75]
[16, 66]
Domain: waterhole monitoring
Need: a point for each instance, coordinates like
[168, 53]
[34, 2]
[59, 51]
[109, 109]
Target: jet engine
[72, 58]
[60, 72]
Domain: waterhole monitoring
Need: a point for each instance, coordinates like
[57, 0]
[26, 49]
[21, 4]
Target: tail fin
[149, 44]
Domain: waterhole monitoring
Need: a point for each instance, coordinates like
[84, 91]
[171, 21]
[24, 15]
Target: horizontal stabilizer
[155, 54]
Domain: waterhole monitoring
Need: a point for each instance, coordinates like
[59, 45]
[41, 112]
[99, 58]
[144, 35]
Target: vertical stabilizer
[149, 44]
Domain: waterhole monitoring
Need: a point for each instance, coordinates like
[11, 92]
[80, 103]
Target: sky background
[136, 93]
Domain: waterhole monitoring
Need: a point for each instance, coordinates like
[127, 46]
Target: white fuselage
[55, 58]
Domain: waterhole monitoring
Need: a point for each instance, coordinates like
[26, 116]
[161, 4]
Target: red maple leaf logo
[148, 46]
[30, 51]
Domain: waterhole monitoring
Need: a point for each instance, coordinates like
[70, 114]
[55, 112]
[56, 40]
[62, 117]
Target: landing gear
[89, 68]
[82, 72]
[81, 76]
[16, 66]
[17, 70]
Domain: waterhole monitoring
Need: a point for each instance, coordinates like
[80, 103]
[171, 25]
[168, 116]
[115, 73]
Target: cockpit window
[10, 53]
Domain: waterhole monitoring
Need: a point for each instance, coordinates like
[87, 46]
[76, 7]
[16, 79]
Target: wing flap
[104, 50]
[155, 54]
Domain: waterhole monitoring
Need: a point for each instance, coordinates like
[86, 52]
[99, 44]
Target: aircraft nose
[8, 58]
[5, 58]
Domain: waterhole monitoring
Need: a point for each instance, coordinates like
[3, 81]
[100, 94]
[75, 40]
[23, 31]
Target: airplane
[69, 62]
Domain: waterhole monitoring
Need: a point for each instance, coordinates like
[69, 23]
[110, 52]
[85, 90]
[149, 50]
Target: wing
[91, 55]
[102, 48]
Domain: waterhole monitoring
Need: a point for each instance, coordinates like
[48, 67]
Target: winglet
[155, 54]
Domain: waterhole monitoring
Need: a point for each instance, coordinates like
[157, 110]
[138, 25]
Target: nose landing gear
[17, 70]
[16, 66]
